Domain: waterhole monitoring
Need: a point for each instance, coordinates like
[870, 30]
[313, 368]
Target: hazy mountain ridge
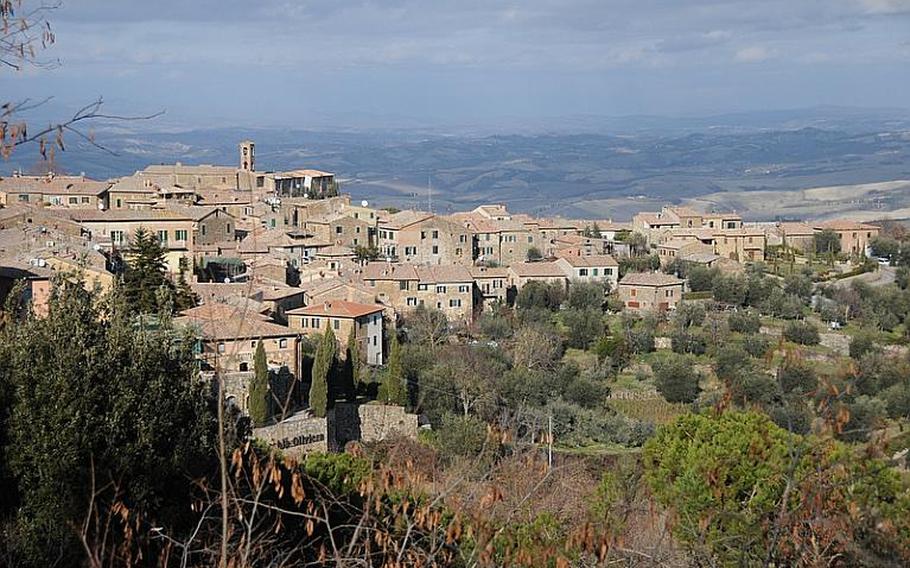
[593, 174]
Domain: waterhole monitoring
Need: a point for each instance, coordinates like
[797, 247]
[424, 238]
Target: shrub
[676, 380]
[802, 332]
[756, 345]
[744, 321]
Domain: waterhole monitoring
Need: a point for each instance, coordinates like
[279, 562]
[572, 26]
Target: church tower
[248, 156]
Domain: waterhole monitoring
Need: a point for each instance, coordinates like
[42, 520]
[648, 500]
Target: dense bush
[676, 379]
[744, 321]
[802, 332]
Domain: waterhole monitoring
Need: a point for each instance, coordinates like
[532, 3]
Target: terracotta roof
[545, 269]
[388, 271]
[199, 169]
[335, 250]
[92, 215]
[845, 225]
[337, 309]
[404, 219]
[594, 260]
[443, 273]
[488, 272]
[651, 218]
[796, 229]
[196, 213]
[54, 184]
[700, 257]
[220, 321]
[650, 279]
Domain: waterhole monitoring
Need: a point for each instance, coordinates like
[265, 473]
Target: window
[412, 301]
[375, 341]
[463, 289]
[228, 227]
[314, 323]
[633, 292]
[582, 271]
[608, 271]
[304, 323]
[435, 234]
[202, 228]
[669, 293]
[282, 343]
[462, 238]
[422, 287]
[423, 235]
[338, 230]
[244, 367]
[357, 229]
[458, 252]
[162, 237]
[74, 200]
[180, 235]
[455, 303]
[336, 324]
[410, 251]
[221, 347]
[85, 200]
[24, 197]
[119, 203]
[402, 284]
[435, 249]
[440, 289]
[117, 237]
[530, 239]
[593, 272]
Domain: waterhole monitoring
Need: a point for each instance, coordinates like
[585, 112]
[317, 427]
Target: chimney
[326, 305]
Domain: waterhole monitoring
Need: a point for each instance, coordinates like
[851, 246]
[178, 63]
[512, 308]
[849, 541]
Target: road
[882, 277]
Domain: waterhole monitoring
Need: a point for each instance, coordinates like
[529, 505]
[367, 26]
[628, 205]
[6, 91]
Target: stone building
[646, 291]
[51, 190]
[854, 236]
[343, 316]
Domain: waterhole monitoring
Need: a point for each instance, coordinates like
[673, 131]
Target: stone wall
[371, 423]
[301, 433]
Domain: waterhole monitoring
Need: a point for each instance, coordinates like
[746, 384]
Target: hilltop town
[580, 371]
[279, 257]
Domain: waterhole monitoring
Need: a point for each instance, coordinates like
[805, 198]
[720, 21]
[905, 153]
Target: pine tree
[322, 372]
[259, 388]
[394, 390]
[145, 274]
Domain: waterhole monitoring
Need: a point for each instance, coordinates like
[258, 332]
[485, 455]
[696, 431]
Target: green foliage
[533, 254]
[583, 326]
[797, 377]
[259, 388]
[885, 247]
[323, 372]
[685, 341]
[676, 379]
[861, 344]
[366, 253]
[802, 332]
[897, 400]
[95, 397]
[542, 295]
[394, 388]
[827, 242]
[586, 295]
[461, 437]
[725, 477]
[798, 285]
[756, 345]
[701, 278]
[866, 415]
[744, 321]
[145, 284]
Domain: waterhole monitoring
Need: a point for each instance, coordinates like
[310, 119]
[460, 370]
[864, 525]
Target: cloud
[753, 54]
[885, 6]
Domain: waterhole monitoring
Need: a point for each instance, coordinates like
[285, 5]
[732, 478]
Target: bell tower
[248, 156]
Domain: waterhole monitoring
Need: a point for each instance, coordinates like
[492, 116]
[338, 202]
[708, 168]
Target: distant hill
[595, 174]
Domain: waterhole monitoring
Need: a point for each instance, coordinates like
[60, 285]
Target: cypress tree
[352, 365]
[394, 391]
[322, 371]
[259, 388]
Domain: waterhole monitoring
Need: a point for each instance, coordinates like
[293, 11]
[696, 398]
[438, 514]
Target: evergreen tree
[145, 273]
[259, 388]
[351, 373]
[322, 373]
[394, 390]
[184, 296]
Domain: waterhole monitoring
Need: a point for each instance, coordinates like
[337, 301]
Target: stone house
[51, 190]
[491, 285]
[670, 250]
[854, 236]
[418, 237]
[743, 244]
[114, 229]
[343, 317]
[229, 336]
[448, 288]
[645, 291]
[521, 273]
[590, 268]
[798, 236]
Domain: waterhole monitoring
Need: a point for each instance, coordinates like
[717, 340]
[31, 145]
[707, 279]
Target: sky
[282, 63]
